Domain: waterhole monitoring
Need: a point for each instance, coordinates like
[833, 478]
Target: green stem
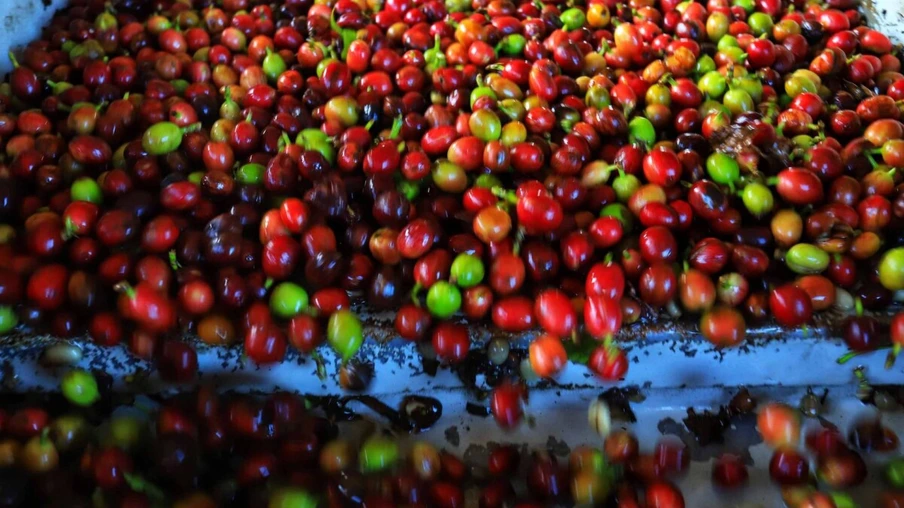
[141, 485]
[892, 356]
[321, 365]
[69, 229]
[396, 127]
[519, 239]
[853, 354]
[872, 160]
[507, 196]
[174, 261]
[125, 287]
[848, 357]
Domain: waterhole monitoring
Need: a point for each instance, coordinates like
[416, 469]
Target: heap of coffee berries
[250, 172]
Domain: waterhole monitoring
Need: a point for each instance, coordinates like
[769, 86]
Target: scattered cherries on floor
[247, 173]
[202, 448]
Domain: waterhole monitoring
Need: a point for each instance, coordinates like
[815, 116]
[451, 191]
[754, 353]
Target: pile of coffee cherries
[250, 173]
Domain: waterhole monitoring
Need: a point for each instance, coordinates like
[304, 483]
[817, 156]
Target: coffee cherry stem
[396, 128]
[143, 486]
[892, 356]
[174, 261]
[125, 287]
[320, 365]
[872, 160]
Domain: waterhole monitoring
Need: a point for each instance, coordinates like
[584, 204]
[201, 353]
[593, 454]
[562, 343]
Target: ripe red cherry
[843, 470]
[707, 200]
[790, 305]
[540, 214]
[27, 422]
[605, 279]
[799, 186]
[729, 472]
[280, 257]
[503, 460]
[547, 356]
[79, 218]
[451, 342]
[295, 215]
[602, 316]
[788, 467]
[576, 250]
[761, 53]
[304, 333]
[110, 466]
[177, 362]
[149, 307]
[710, 256]
[412, 322]
[384, 158]
[555, 313]
[265, 343]
[105, 328]
[861, 333]
[671, 455]
[513, 314]
[659, 214]
[180, 196]
[606, 232]
[24, 83]
[610, 363]
[658, 284]
[415, 239]
[824, 442]
[46, 287]
[662, 167]
[444, 494]
[723, 326]
[657, 244]
[506, 404]
[327, 301]
[160, 234]
[196, 296]
[664, 495]
[476, 301]
[544, 477]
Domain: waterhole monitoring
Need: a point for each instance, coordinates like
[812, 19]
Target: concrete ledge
[21, 22]
[660, 359]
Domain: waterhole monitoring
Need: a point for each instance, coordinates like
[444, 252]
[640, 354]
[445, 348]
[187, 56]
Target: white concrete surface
[20, 22]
